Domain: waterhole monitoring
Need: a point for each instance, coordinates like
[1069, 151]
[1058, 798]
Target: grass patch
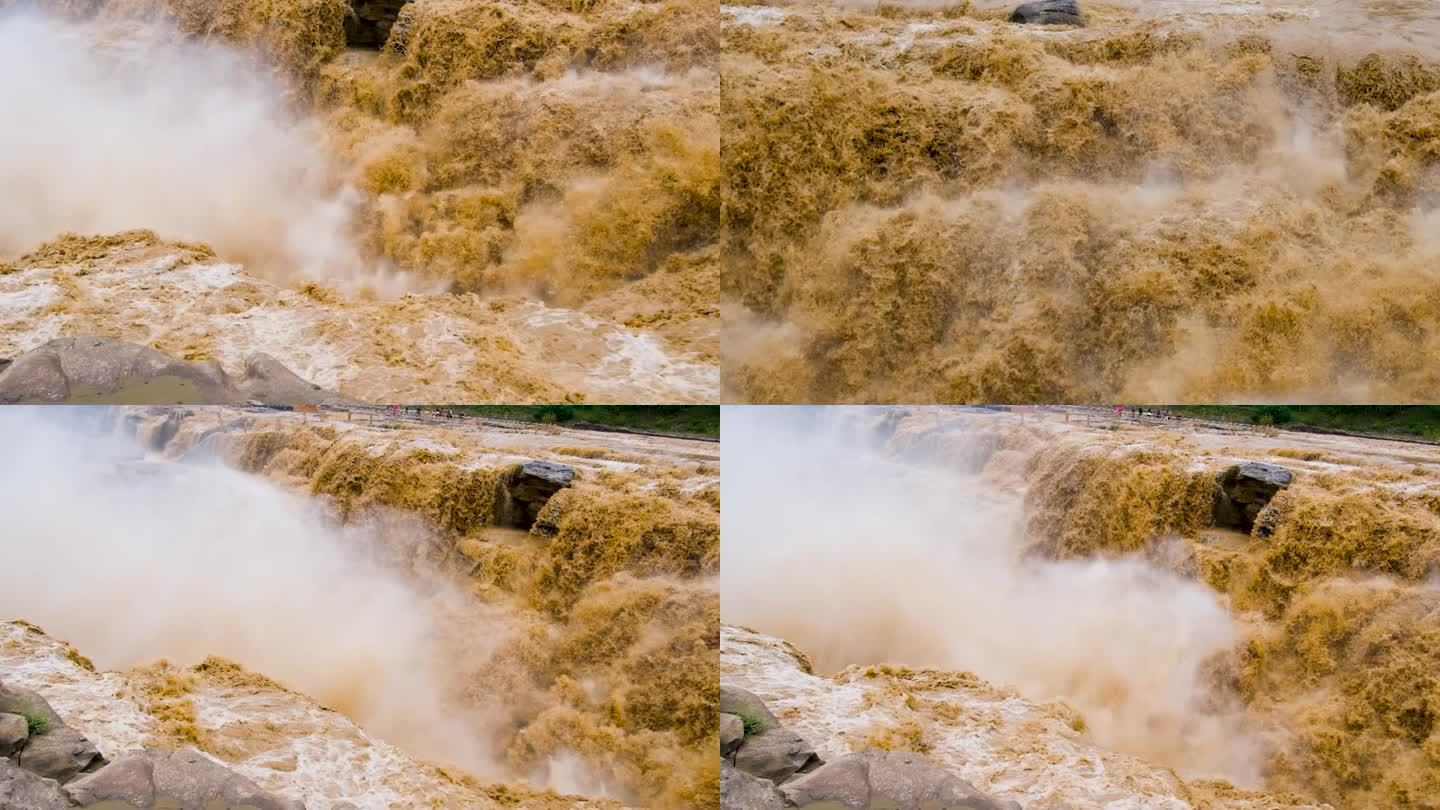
[1418, 421]
[685, 420]
[37, 723]
[754, 723]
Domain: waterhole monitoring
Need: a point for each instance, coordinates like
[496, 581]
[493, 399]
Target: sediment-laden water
[997, 592]
[1196, 201]
[503, 201]
[230, 572]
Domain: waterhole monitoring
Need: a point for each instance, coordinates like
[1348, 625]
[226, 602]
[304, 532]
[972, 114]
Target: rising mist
[859, 556]
[116, 127]
[134, 561]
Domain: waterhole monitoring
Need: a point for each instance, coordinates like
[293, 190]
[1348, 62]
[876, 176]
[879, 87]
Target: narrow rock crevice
[1242, 491]
[370, 21]
[526, 489]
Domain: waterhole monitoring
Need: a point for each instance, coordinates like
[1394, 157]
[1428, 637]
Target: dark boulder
[369, 22]
[1048, 12]
[526, 489]
[1243, 490]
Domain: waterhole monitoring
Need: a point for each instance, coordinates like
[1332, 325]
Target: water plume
[117, 127]
[135, 561]
[859, 556]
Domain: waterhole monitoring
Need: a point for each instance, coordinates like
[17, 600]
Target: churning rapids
[511, 201]
[344, 612]
[1183, 200]
[1054, 607]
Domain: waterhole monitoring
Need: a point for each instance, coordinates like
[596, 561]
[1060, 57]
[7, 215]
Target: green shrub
[754, 723]
[37, 723]
[1271, 415]
[555, 413]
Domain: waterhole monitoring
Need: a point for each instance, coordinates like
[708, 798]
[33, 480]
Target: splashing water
[872, 560]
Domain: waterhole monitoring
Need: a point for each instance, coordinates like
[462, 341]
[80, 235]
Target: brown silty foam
[585, 644]
[1331, 598]
[1200, 201]
[497, 157]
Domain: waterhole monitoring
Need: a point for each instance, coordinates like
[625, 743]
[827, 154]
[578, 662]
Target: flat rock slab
[60, 754]
[1048, 12]
[896, 779]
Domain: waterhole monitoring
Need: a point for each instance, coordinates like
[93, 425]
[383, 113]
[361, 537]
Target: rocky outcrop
[899, 779]
[14, 730]
[775, 754]
[1243, 490]
[770, 766]
[57, 766]
[526, 490]
[53, 751]
[732, 733]
[100, 369]
[741, 791]
[740, 702]
[185, 777]
[21, 789]
[757, 744]
[1048, 12]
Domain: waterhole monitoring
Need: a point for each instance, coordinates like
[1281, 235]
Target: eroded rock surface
[185, 777]
[100, 369]
[13, 733]
[741, 791]
[21, 789]
[55, 752]
[776, 754]
[732, 733]
[740, 702]
[897, 779]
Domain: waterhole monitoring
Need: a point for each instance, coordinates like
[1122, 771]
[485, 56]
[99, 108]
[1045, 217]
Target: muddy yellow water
[1200, 201]
[403, 642]
[512, 201]
[1297, 660]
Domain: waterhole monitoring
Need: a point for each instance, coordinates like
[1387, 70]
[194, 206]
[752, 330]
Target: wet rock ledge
[46, 765]
[765, 766]
[103, 370]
